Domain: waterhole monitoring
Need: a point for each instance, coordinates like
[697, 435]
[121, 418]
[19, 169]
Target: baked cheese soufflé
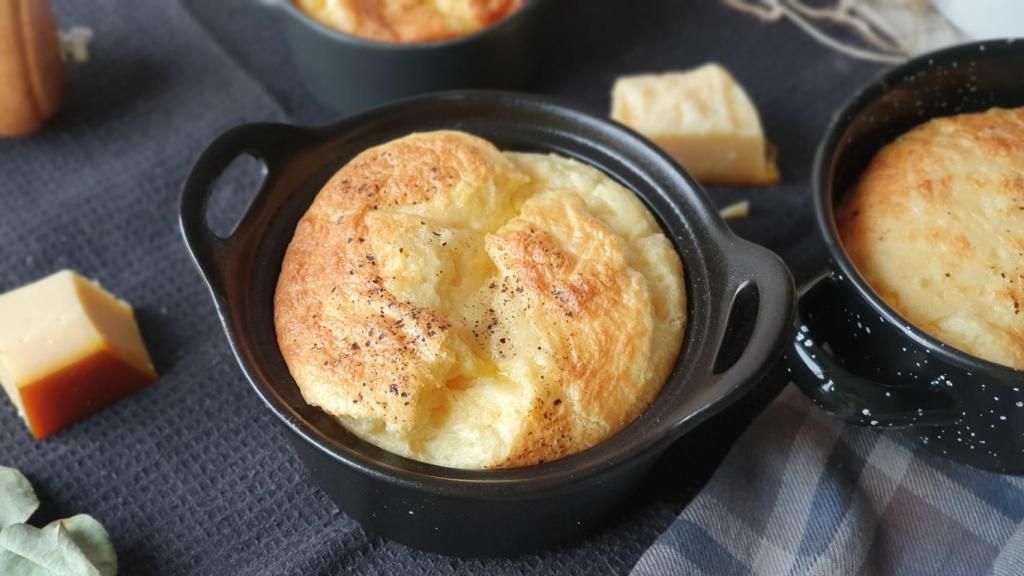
[408, 20]
[936, 226]
[473, 308]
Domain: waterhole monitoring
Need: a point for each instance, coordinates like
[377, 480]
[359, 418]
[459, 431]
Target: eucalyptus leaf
[92, 539]
[18, 500]
[52, 548]
[13, 565]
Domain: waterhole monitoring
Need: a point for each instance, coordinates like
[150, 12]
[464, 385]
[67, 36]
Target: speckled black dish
[740, 304]
[877, 369]
[350, 74]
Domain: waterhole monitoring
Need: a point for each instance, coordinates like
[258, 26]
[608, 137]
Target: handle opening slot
[739, 327]
[232, 192]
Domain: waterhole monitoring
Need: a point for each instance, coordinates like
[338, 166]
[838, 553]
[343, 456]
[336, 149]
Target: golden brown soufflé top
[936, 227]
[473, 308]
[408, 20]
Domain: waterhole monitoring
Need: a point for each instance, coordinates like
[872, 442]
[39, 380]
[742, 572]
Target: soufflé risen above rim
[408, 20]
[936, 226]
[473, 308]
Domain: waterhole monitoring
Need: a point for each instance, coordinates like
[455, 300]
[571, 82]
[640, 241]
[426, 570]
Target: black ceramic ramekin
[733, 286]
[877, 369]
[351, 74]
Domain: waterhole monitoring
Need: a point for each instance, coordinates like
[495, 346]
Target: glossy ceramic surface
[854, 355]
[740, 305]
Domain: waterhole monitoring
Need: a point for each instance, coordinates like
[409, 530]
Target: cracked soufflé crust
[472, 308]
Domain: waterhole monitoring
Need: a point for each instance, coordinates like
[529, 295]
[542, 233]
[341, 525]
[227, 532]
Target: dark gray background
[192, 476]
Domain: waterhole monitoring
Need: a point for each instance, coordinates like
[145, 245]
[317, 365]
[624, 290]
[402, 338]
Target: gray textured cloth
[190, 476]
[803, 494]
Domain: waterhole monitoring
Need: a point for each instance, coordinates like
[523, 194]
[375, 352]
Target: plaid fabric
[801, 493]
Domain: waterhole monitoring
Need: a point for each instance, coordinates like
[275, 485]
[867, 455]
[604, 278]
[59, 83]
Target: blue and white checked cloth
[802, 493]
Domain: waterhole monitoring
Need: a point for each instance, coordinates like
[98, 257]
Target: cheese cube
[68, 349]
[703, 119]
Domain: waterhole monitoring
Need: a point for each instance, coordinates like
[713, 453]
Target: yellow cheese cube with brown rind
[67, 350]
[703, 119]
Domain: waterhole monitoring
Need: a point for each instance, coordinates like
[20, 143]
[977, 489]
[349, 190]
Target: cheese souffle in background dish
[473, 308]
[408, 20]
[936, 226]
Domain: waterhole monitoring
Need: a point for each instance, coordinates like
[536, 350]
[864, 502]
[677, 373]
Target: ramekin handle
[267, 143]
[853, 398]
[753, 268]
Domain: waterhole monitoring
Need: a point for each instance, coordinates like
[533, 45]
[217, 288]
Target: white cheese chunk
[703, 119]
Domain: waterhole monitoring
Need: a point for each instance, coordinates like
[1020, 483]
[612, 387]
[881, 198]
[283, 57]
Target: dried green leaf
[76, 546]
[17, 498]
[93, 540]
[13, 565]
